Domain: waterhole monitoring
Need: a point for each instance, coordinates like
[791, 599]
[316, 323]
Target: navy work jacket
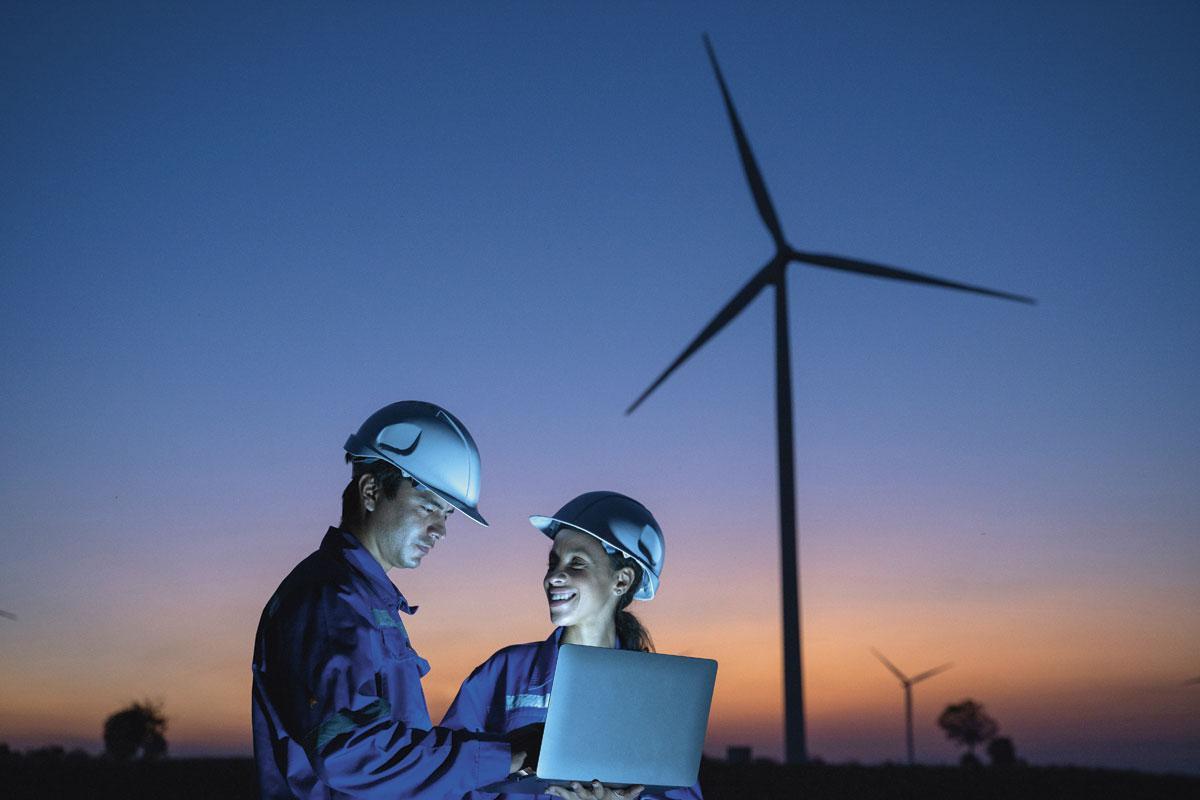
[512, 689]
[338, 707]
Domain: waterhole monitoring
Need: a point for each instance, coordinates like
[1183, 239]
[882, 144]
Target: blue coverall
[338, 707]
[512, 689]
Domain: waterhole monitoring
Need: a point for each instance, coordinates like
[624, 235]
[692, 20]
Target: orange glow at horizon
[1045, 664]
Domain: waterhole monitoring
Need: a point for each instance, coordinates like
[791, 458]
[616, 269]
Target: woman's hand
[595, 791]
[526, 743]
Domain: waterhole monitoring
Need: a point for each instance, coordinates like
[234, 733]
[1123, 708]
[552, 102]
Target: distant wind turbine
[774, 274]
[908, 683]
[8, 615]
[1192, 681]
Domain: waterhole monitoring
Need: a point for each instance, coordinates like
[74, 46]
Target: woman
[607, 551]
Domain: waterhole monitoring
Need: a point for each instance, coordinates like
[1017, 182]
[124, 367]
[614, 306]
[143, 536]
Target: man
[338, 708]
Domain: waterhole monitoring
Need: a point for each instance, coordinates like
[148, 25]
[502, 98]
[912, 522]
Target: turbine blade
[731, 310]
[929, 673]
[757, 186]
[890, 665]
[1191, 681]
[883, 271]
[8, 615]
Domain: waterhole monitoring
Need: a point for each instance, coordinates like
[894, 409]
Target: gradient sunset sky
[231, 231]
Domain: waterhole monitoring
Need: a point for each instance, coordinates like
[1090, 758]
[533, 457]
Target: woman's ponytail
[630, 632]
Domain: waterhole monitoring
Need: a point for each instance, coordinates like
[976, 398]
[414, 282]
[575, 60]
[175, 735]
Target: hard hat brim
[470, 512]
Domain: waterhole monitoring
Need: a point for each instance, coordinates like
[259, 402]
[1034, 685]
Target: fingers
[576, 792]
[628, 793]
[595, 790]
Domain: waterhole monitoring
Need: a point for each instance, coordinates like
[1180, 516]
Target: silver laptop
[622, 718]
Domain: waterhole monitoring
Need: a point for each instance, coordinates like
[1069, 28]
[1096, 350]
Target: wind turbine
[8, 615]
[908, 683]
[774, 273]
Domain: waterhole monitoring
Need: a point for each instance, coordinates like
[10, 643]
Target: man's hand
[596, 791]
[526, 745]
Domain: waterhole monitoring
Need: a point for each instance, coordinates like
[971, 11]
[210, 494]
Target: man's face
[403, 530]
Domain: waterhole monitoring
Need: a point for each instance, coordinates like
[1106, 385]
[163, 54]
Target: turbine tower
[908, 683]
[774, 273]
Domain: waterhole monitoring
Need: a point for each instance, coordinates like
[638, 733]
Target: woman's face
[581, 585]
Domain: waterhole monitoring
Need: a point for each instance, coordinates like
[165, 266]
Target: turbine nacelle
[906, 681]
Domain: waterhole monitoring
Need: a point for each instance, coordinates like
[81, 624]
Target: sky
[232, 231]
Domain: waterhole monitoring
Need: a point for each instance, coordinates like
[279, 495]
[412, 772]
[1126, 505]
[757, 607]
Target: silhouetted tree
[967, 724]
[136, 732]
[1002, 752]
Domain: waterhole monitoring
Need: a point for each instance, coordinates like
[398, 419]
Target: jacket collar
[546, 658]
[343, 544]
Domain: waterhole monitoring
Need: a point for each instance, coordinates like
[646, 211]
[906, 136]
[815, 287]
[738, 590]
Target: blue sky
[231, 232]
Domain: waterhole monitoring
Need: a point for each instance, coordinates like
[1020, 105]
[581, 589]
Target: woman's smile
[560, 597]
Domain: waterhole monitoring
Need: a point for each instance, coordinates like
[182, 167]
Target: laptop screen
[625, 717]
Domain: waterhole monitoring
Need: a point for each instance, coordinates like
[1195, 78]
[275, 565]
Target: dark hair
[630, 631]
[389, 477]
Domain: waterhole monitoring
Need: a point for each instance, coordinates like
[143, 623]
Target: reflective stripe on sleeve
[515, 701]
[346, 721]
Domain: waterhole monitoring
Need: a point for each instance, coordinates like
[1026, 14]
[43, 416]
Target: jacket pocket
[397, 647]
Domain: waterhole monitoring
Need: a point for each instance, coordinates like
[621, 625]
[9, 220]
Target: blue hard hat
[620, 523]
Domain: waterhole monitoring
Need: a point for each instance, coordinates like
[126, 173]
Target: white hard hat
[428, 444]
[620, 523]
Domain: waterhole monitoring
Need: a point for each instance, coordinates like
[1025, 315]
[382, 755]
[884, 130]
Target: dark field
[68, 777]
